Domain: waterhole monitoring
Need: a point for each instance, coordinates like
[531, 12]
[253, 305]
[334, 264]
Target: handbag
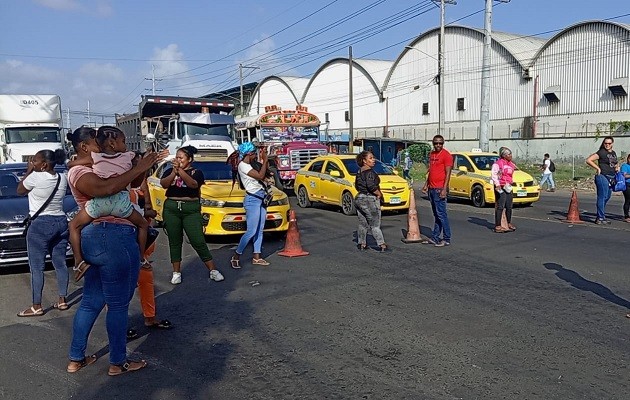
[27, 222]
[620, 184]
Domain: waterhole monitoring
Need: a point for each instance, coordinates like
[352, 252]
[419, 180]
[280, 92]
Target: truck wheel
[477, 197]
[302, 197]
[347, 204]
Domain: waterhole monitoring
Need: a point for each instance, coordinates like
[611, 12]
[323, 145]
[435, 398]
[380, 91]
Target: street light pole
[240, 79]
[484, 118]
[441, 66]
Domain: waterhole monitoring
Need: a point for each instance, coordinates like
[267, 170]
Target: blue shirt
[625, 168]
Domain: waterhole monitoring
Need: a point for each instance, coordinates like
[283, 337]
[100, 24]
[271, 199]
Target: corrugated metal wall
[582, 61]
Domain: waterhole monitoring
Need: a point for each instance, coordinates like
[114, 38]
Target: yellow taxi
[221, 201]
[470, 179]
[330, 179]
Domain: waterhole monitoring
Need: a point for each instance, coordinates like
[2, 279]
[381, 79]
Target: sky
[106, 52]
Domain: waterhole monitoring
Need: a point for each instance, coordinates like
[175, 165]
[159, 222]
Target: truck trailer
[29, 123]
[172, 122]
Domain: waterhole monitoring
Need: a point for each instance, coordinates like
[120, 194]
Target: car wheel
[302, 197]
[347, 204]
[477, 197]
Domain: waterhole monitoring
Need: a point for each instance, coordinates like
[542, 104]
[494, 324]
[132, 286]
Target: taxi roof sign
[476, 150]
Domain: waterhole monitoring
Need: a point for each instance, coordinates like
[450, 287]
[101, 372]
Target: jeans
[549, 179]
[180, 217]
[369, 213]
[256, 216]
[626, 202]
[604, 192]
[438, 206]
[48, 234]
[406, 174]
[503, 200]
[114, 257]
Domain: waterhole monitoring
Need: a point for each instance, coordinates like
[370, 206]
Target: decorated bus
[290, 136]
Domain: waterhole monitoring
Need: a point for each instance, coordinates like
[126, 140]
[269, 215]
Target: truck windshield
[380, 167]
[196, 130]
[32, 135]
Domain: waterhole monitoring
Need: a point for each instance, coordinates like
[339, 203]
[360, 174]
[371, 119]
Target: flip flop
[31, 312]
[61, 306]
[72, 368]
[128, 366]
[79, 270]
[260, 261]
[163, 324]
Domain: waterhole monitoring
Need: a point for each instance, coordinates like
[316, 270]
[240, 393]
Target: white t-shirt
[251, 184]
[41, 185]
[547, 164]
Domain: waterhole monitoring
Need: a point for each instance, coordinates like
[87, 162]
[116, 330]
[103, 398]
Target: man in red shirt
[438, 176]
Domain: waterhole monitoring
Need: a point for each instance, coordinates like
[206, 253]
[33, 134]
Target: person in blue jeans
[438, 178]
[251, 175]
[48, 232]
[605, 164]
[109, 245]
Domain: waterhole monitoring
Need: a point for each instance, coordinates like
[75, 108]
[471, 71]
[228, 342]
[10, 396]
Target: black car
[13, 212]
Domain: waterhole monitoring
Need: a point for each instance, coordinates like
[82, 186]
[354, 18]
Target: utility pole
[240, 79]
[441, 79]
[350, 102]
[153, 80]
[88, 113]
[484, 118]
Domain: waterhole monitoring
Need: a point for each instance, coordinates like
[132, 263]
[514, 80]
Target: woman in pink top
[501, 172]
[109, 245]
[114, 160]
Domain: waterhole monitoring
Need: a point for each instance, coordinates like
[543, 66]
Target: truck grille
[299, 158]
[212, 153]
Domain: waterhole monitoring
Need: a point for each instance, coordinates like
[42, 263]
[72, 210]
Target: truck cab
[209, 133]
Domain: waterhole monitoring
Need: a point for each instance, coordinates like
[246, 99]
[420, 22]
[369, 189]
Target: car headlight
[212, 203]
[71, 214]
[284, 161]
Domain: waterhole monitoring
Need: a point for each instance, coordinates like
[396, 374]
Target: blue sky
[102, 50]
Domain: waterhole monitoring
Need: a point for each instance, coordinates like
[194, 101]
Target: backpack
[552, 166]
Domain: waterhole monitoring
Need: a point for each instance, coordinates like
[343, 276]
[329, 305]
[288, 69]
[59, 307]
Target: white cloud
[102, 8]
[263, 55]
[60, 4]
[171, 67]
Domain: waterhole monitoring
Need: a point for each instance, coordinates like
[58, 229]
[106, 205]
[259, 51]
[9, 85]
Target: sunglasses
[438, 143]
[608, 142]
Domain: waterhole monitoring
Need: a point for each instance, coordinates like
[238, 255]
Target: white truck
[173, 122]
[29, 123]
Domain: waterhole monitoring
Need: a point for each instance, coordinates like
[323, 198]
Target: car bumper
[521, 195]
[233, 221]
[13, 251]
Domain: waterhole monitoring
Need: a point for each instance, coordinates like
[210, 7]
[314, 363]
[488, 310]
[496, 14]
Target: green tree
[419, 152]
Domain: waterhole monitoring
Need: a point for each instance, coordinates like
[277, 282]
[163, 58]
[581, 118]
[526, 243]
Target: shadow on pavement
[578, 282]
[481, 222]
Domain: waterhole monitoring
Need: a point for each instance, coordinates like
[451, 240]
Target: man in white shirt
[547, 175]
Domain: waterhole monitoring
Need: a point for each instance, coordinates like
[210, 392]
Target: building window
[460, 104]
[347, 115]
[552, 94]
[425, 108]
[619, 87]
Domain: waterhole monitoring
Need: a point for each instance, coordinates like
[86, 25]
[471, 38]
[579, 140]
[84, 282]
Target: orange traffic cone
[573, 215]
[292, 247]
[413, 226]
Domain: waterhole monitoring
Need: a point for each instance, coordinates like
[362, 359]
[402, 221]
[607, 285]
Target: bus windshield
[32, 135]
[289, 133]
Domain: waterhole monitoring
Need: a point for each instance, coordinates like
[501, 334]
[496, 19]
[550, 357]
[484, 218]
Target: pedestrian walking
[182, 212]
[436, 185]
[110, 247]
[368, 202]
[47, 233]
[407, 163]
[501, 173]
[251, 175]
[548, 168]
[625, 169]
[605, 164]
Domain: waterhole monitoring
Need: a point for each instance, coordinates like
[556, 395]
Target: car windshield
[380, 167]
[9, 181]
[214, 170]
[484, 163]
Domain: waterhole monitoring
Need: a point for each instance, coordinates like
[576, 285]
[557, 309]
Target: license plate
[521, 193]
[394, 200]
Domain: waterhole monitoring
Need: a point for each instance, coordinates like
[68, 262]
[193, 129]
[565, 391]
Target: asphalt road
[533, 314]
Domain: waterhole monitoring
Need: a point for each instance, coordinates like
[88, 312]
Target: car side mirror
[335, 174]
[463, 168]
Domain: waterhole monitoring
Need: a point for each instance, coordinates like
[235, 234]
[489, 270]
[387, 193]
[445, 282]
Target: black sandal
[163, 324]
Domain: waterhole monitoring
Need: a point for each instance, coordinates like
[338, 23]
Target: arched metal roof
[369, 68]
[522, 48]
[295, 85]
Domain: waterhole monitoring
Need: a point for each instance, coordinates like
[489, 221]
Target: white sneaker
[216, 276]
[177, 278]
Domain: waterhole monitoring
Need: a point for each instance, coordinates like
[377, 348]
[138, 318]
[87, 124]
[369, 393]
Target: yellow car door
[330, 184]
[158, 193]
[458, 176]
